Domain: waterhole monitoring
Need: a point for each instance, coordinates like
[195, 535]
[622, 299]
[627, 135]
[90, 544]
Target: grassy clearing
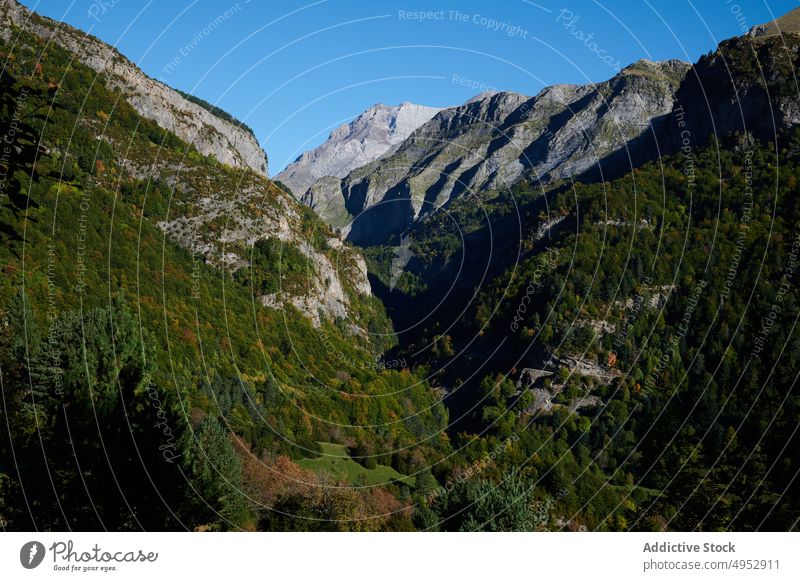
[337, 462]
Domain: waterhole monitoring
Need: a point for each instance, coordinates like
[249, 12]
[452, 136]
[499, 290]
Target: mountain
[230, 142]
[638, 305]
[352, 145]
[606, 344]
[743, 92]
[493, 141]
[254, 210]
[175, 329]
[588, 132]
[789, 23]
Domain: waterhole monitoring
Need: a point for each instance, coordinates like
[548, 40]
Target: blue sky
[294, 69]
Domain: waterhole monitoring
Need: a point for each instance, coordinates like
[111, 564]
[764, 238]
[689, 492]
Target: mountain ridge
[211, 135]
[351, 145]
[564, 132]
[494, 142]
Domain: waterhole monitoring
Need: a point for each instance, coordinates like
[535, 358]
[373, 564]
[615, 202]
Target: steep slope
[748, 84]
[174, 319]
[232, 144]
[217, 216]
[657, 306]
[365, 139]
[212, 216]
[493, 141]
[648, 314]
[788, 23]
[745, 90]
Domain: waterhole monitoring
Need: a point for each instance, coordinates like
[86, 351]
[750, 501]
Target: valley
[568, 311]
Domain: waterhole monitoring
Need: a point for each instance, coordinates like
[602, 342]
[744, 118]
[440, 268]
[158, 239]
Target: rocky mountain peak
[495, 140]
[355, 144]
[480, 97]
[496, 105]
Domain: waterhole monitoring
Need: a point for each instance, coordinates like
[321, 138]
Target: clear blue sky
[294, 69]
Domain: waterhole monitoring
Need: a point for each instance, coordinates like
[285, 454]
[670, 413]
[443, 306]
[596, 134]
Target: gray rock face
[325, 198]
[152, 99]
[493, 141]
[253, 209]
[215, 213]
[368, 137]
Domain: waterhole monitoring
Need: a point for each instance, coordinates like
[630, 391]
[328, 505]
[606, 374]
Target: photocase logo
[32, 554]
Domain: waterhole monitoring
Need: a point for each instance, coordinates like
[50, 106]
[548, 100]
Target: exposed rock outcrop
[211, 135]
[545, 393]
[365, 139]
[222, 228]
[788, 23]
[493, 141]
[586, 368]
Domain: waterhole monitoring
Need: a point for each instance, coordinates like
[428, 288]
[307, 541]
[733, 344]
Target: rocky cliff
[211, 135]
[215, 212]
[493, 141]
[748, 84]
[352, 145]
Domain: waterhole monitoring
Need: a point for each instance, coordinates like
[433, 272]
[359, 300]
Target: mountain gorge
[568, 291]
[193, 328]
[517, 314]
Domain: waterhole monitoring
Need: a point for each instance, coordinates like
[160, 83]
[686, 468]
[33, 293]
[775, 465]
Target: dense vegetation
[146, 386]
[663, 304]
[191, 388]
[677, 285]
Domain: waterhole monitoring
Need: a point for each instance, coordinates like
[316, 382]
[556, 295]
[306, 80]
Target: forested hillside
[185, 346]
[663, 326]
[635, 336]
[146, 370]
